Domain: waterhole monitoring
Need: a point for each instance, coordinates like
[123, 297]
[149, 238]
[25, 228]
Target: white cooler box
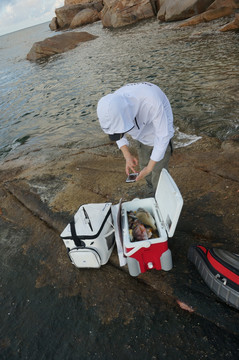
[89, 237]
[153, 253]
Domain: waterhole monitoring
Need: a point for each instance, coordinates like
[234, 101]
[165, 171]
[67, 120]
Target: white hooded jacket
[141, 110]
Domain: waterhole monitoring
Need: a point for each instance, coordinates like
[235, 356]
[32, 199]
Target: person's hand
[144, 172]
[131, 163]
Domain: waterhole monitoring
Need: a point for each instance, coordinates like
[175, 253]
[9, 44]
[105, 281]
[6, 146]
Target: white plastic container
[89, 238]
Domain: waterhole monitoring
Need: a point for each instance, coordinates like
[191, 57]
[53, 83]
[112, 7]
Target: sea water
[52, 103]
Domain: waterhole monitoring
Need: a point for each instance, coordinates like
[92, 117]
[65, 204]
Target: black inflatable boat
[220, 271]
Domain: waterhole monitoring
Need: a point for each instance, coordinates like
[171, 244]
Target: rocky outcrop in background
[65, 15]
[118, 13]
[57, 44]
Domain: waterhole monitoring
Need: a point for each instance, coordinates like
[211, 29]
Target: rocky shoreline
[117, 14]
[114, 14]
[206, 173]
[39, 197]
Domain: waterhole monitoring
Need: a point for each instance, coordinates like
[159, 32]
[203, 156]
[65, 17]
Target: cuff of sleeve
[157, 155]
[122, 142]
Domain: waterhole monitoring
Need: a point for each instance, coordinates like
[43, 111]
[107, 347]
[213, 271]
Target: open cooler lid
[169, 200]
[88, 221]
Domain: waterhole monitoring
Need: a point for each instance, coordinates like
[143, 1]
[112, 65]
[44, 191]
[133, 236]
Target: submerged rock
[57, 44]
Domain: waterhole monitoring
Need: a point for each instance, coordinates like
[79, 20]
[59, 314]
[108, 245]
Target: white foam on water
[182, 139]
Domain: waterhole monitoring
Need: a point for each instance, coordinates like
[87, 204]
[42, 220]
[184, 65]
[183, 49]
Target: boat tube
[220, 271]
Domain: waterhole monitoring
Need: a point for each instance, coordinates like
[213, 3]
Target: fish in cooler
[141, 225]
[146, 218]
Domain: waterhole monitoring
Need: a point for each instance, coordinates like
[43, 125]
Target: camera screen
[132, 177]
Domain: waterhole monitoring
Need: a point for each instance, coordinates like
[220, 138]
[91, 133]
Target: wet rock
[171, 10]
[218, 9]
[21, 191]
[57, 44]
[207, 176]
[120, 13]
[84, 17]
[233, 25]
[231, 145]
[233, 4]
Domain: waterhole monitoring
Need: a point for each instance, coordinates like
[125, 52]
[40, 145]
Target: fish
[141, 225]
[139, 231]
[131, 218]
[149, 232]
[146, 218]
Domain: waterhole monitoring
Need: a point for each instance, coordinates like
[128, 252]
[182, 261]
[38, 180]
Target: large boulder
[57, 44]
[117, 13]
[218, 9]
[84, 17]
[65, 14]
[173, 10]
[75, 2]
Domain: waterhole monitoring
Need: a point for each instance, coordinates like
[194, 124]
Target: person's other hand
[144, 172]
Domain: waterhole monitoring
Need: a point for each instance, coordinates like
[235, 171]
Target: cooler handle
[146, 245]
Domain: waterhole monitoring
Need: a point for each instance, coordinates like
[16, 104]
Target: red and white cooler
[153, 253]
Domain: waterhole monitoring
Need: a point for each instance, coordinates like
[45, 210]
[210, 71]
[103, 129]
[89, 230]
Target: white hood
[116, 114]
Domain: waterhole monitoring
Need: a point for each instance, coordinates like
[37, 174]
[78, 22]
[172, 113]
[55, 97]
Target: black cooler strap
[76, 239]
